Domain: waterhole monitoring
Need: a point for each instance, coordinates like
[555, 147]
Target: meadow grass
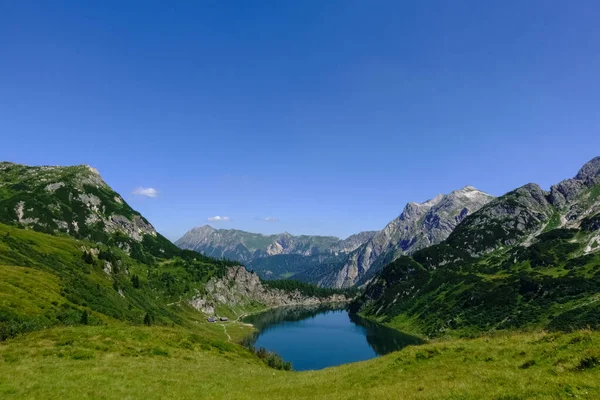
[124, 362]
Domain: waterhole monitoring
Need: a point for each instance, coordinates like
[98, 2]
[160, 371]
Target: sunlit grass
[153, 363]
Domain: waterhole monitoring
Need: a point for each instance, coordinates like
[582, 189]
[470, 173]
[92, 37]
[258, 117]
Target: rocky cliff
[418, 226]
[241, 288]
[522, 214]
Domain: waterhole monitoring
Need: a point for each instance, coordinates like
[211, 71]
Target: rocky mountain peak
[247, 247]
[73, 200]
[418, 226]
[590, 170]
[203, 229]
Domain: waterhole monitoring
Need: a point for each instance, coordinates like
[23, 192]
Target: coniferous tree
[135, 281]
[84, 318]
[147, 320]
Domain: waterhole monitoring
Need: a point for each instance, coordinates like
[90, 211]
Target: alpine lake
[313, 338]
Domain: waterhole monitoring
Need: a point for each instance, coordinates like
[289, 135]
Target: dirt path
[225, 330]
[177, 302]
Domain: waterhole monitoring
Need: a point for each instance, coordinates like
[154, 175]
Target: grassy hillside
[527, 260]
[51, 280]
[550, 285]
[155, 363]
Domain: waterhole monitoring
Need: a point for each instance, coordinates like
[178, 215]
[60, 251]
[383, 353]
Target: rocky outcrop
[239, 288]
[419, 226]
[520, 215]
[590, 171]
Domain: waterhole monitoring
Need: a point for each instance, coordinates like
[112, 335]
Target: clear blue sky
[326, 115]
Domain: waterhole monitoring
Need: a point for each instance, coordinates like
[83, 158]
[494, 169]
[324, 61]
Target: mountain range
[528, 259]
[501, 282]
[72, 249]
[271, 256]
[417, 227]
[331, 262]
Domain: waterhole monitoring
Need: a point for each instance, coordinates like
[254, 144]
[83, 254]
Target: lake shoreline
[313, 338]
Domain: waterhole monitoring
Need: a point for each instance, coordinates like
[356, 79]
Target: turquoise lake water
[315, 338]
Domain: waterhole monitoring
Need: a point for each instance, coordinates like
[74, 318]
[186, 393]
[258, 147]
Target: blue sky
[325, 116]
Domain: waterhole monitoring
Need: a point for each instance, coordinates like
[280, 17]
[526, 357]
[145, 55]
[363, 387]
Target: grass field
[123, 362]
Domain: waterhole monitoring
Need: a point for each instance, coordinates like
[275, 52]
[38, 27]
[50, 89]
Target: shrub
[270, 358]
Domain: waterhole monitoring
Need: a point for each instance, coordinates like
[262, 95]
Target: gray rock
[239, 288]
[246, 246]
[590, 170]
[419, 226]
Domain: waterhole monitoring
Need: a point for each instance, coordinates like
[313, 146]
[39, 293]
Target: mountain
[96, 307]
[528, 259]
[72, 250]
[271, 256]
[418, 226]
[75, 201]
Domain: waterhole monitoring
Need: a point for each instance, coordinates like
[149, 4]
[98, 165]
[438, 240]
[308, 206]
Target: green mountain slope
[292, 266]
[76, 201]
[47, 280]
[72, 252]
[524, 260]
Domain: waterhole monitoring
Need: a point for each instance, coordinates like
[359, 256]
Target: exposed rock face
[519, 216]
[419, 226]
[590, 171]
[239, 287]
[72, 200]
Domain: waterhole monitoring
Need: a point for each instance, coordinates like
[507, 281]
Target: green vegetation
[283, 266]
[106, 315]
[503, 222]
[48, 280]
[308, 289]
[154, 363]
[270, 358]
[547, 285]
[47, 205]
[553, 223]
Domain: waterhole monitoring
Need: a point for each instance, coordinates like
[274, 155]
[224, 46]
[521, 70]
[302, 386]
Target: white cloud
[218, 218]
[142, 191]
[268, 219]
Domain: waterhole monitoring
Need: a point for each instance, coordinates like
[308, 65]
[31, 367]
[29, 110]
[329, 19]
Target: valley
[498, 301]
